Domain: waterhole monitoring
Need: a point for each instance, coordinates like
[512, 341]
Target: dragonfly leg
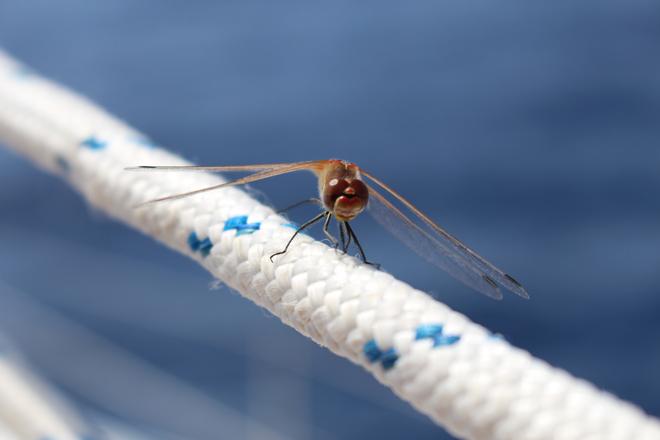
[347, 243]
[342, 235]
[327, 233]
[298, 231]
[359, 246]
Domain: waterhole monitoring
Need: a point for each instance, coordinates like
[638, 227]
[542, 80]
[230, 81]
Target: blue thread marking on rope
[446, 340]
[371, 351]
[435, 332]
[205, 247]
[202, 246]
[93, 143]
[193, 241]
[428, 331]
[386, 358]
[389, 358]
[240, 224]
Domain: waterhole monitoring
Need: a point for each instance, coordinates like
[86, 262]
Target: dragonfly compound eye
[333, 190]
[358, 189]
[348, 198]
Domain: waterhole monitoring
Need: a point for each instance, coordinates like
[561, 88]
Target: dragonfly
[345, 191]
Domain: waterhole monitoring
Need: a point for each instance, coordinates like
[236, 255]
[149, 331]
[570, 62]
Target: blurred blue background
[531, 130]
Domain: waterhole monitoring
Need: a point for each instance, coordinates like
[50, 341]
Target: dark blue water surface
[531, 130]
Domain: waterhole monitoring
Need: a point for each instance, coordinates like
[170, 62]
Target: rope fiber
[475, 385]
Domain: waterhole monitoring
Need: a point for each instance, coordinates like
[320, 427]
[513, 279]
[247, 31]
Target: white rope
[88, 365]
[29, 408]
[476, 385]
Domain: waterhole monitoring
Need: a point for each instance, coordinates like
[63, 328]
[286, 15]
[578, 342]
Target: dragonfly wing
[260, 175]
[440, 235]
[228, 168]
[427, 246]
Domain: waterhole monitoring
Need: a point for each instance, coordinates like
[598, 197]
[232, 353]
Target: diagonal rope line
[475, 385]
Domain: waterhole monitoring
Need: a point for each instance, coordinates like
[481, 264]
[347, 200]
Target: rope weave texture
[474, 384]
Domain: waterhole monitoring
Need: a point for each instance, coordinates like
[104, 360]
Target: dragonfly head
[345, 197]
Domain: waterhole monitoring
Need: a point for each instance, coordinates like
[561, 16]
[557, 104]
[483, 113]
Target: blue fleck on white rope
[389, 356]
[435, 333]
[94, 143]
[240, 225]
[477, 386]
[237, 223]
[202, 246]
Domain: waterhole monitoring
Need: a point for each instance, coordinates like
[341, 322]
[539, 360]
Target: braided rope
[472, 383]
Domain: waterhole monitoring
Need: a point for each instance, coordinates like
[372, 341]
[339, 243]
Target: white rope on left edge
[29, 408]
[475, 385]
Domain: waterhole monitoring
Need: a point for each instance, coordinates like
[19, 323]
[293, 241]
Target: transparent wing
[437, 246]
[278, 169]
[392, 219]
[228, 168]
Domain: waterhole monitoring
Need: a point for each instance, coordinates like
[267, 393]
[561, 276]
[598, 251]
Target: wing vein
[449, 242]
[261, 175]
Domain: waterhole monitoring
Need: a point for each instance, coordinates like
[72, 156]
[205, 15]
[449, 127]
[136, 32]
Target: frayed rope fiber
[474, 384]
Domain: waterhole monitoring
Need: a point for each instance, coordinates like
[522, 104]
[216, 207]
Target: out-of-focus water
[530, 130]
